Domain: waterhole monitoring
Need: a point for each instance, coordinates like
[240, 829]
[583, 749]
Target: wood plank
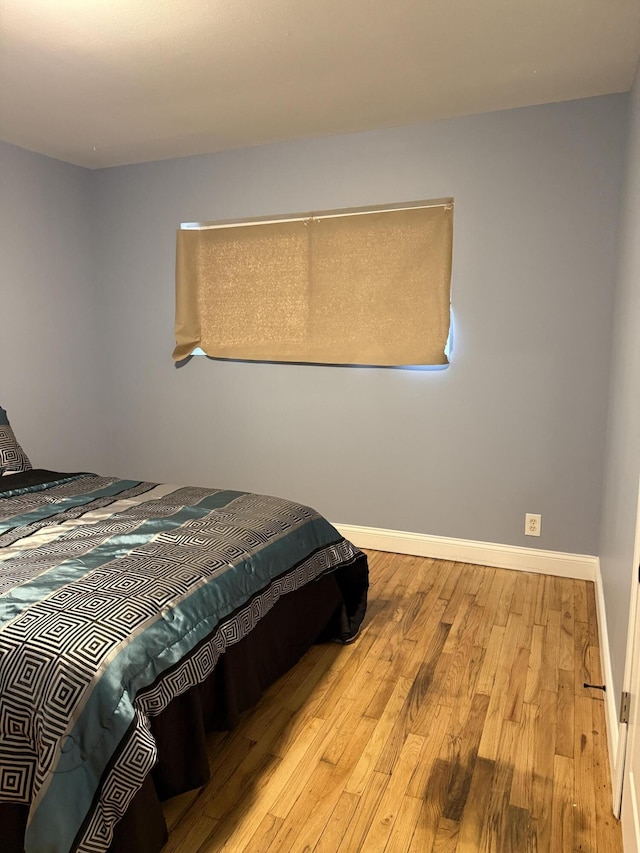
[566, 651]
[504, 603]
[309, 690]
[495, 829]
[550, 651]
[566, 713]
[267, 830]
[421, 782]
[457, 598]
[260, 764]
[455, 685]
[460, 751]
[376, 744]
[582, 673]
[497, 602]
[354, 727]
[404, 825]
[470, 679]
[521, 591]
[454, 572]
[584, 817]
[366, 678]
[528, 611]
[458, 623]
[521, 832]
[436, 696]
[414, 702]
[524, 759]
[580, 604]
[426, 829]
[594, 669]
[361, 820]
[337, 824]
[490, 663]
[446, 840]
[562, 812]
[542, 787]
[490, 740]
[498, 699]
[380, 698]
[534, 670]
[475, 814]
[388, 809]
[431, 609]
[246, 814]
[516, 685]
[304, 767]
[304, 826]
[483, 593]
[542, 602]
[555, 591]
[260, 760]
[354, 658]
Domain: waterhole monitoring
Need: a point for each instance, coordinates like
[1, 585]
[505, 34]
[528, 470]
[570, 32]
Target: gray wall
[50, 375]
[515, 425]
[623, 438]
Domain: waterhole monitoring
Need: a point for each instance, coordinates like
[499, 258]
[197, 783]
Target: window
[369, 286]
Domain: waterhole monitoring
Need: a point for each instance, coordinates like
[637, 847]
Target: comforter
[115, 597]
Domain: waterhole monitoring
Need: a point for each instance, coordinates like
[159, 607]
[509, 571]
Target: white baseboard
[577, 566]
[610, 710]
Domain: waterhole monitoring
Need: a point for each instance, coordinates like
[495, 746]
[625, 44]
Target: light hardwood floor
[458, 721]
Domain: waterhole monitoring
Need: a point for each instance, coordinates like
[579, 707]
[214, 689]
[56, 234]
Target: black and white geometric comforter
[115, 597]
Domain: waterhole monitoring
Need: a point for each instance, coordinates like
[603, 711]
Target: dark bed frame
[330, 607]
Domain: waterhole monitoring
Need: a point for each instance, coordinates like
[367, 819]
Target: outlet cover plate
[532, 524]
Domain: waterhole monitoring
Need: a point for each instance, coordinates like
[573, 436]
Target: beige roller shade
[370, 287]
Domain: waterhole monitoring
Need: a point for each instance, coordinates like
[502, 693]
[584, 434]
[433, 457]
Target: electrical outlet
[532, 524]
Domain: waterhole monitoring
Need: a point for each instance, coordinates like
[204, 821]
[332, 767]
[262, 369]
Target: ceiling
[107, 82]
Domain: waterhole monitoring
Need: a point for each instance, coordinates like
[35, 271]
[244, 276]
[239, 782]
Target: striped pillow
[12, 457]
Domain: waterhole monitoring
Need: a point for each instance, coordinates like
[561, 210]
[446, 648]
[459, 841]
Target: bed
[134, 617]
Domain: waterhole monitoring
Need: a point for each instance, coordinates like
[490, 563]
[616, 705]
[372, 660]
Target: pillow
[12, 457]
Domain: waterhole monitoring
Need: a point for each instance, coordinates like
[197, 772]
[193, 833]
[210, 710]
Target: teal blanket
[115, 597]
